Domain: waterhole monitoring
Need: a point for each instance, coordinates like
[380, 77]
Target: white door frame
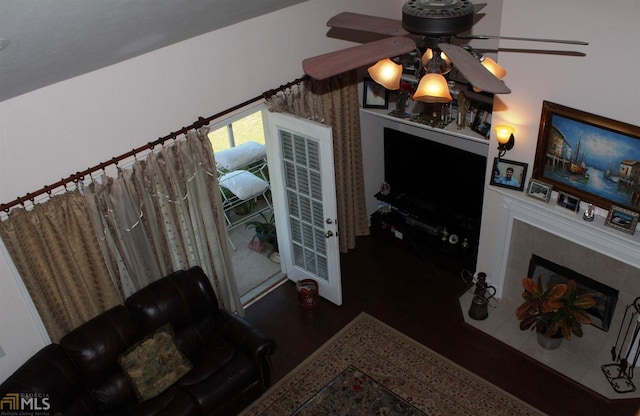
[324, 228]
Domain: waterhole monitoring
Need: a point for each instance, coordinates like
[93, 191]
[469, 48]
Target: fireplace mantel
[528, 226]
[563, 223]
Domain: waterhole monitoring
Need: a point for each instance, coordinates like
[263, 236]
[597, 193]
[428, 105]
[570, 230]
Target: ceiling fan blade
[540, 51]
[568, 42]
[473, 71]
[334, 63]
[366, 23]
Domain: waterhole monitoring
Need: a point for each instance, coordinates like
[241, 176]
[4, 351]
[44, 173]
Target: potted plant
[265, 231]
[556, 312]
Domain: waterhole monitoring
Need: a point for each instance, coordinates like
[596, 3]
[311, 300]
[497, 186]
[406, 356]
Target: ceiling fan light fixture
[493, 67]
[386, 73]
[433, 88]
[438, 63]
[428, 55]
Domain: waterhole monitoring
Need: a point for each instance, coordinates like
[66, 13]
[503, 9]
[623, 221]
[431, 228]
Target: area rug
[369, 368]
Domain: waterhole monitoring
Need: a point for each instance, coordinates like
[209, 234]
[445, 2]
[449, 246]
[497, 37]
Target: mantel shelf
[451, 129]
[565, 216]
[594, 235]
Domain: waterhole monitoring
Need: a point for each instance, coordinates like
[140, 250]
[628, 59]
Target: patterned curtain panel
[341, 106]
[165, 214]
[298, 100]
[335, 102]
[56, 253]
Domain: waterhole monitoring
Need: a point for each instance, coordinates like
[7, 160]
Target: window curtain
[55, 251]
[335, 102]
[162, 214]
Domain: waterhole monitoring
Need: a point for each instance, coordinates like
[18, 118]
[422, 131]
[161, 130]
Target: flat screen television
[433, 180]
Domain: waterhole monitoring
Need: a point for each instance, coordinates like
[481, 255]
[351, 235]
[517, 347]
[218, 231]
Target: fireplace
[551, 273]
[589, 249]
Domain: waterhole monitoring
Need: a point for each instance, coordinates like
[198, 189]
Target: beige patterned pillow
[154, 363]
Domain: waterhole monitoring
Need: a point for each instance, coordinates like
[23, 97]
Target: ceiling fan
[427, 27]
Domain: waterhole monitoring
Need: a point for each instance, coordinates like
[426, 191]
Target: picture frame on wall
[592, 157]
[374, 95]
[482, 121]
[622, 219]
[509, 174]
[570, 202]
[539, 190]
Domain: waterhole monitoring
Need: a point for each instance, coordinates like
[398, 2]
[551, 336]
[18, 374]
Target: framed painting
[374, 95]
[597, 159]
[508, 174]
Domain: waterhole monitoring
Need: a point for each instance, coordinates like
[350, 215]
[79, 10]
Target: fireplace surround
[532, 227]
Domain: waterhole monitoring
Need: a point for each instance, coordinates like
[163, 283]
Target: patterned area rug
[369, 368]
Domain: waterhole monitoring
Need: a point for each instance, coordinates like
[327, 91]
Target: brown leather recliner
[81, 375]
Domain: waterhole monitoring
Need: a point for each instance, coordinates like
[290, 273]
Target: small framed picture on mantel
[622, 219]
[374, 95]
[539, 190]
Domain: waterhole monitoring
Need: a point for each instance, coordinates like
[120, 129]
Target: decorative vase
[401, 107]
[551, 343]
[402, 97]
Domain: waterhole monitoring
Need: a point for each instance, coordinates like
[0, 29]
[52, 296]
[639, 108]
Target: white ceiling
[48, 41]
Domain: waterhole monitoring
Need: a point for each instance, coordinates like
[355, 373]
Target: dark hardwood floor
[420, 300]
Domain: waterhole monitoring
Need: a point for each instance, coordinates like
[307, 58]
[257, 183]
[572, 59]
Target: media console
[446, 240]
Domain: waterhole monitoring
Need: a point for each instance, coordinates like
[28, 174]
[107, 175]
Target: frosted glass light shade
[503, 133]
[433, 88]
[428, 54]
[494, 67]
[386, 73]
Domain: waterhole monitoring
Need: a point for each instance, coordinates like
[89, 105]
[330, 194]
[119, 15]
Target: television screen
[430, 179]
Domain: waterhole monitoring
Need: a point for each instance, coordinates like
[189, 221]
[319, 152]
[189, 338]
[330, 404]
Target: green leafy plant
[554, 310]
[265, 230]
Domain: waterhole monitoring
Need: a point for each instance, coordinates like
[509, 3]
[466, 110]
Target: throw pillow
[154, 363]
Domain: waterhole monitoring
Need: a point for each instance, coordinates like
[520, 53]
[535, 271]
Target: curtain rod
[79, 176]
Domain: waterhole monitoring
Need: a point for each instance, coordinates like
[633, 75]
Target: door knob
[328, 234]
[329, 221]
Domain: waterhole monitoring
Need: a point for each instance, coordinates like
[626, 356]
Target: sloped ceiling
[47, 41]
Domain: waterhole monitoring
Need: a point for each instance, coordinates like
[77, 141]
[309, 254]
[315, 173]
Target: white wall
[603, 82]
[53, 132]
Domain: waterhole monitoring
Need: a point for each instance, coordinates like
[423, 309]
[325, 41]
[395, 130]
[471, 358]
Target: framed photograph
[539, 190]
[622, 219]
[374, 95]
[509, 174]
[570, 202]
[482, 121]
[593, 157]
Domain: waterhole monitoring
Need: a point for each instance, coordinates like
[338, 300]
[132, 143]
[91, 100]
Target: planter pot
[550, 343]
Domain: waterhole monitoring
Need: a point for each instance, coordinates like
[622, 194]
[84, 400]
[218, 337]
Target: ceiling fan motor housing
[437, 17]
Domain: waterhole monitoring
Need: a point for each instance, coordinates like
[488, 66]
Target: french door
[301, 170]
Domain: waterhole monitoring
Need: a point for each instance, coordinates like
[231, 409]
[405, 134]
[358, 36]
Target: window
[241, 129]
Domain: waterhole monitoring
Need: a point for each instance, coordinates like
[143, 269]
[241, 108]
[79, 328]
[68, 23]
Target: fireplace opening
[552, 273]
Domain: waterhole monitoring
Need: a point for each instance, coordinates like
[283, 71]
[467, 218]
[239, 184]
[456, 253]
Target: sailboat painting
[590, 156]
